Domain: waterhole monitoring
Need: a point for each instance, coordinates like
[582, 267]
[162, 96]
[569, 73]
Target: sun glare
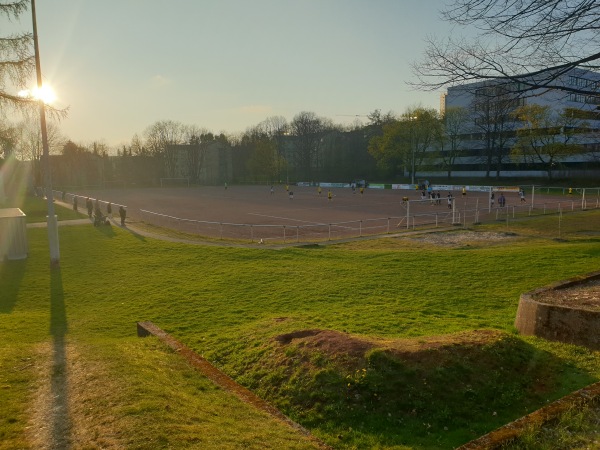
[45, 94]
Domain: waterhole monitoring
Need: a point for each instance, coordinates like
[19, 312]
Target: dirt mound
[336, 343]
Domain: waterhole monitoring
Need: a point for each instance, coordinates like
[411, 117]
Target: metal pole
[52, 224]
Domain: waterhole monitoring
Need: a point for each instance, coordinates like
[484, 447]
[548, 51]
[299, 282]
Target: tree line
[388, 147]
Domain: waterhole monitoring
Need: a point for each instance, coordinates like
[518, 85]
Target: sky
[226, 65]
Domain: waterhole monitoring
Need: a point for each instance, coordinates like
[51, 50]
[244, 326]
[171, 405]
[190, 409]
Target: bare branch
[527, 41]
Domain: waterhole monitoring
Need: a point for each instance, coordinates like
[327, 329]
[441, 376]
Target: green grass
[36, 209]
[229, 303]
[576, 428]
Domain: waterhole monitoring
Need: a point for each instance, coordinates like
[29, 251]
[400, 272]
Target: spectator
[90, 207]
[123, 215]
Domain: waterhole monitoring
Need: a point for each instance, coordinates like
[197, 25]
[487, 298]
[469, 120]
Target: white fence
[456, 216]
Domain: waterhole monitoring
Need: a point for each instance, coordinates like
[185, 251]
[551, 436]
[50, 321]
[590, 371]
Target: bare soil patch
[582, 296]
[462, 238]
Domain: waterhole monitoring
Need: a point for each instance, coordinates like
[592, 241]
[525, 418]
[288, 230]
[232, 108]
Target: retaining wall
[557, 322]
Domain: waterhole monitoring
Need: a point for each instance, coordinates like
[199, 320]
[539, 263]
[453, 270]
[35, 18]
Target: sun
[45, 94]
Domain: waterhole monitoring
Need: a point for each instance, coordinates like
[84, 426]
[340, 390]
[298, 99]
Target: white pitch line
[285, 218]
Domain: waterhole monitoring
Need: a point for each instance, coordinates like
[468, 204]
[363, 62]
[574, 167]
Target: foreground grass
[575, 428]
[229, 304]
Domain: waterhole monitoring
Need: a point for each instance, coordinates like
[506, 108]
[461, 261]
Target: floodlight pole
[52, 224]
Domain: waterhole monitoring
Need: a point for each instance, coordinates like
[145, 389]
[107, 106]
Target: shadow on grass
[134, 233]
[106, 230]
[11, 274]
[60, 422]
[432, 397]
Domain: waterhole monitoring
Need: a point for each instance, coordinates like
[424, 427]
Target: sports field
[256, 212]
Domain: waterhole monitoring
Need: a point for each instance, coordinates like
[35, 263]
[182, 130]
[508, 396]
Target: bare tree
[160, 137]
[528, 43]
[198, 140]
[456, 123]
[8, 139]
[307, 130]
[492, 112]
[275, 129]
[137, 146]
[29, 143]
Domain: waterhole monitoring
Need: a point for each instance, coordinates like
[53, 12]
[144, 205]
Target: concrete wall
[557, 322]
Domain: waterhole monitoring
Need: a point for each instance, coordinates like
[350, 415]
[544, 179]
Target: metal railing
[319, 232]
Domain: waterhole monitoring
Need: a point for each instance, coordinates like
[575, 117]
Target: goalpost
[174, 182]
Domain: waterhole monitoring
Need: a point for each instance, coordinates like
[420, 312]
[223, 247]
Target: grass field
[391, 343]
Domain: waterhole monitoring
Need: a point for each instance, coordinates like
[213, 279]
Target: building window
[584, 83]
[582, 98]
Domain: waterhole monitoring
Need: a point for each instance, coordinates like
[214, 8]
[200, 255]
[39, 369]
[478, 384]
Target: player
[329, 195]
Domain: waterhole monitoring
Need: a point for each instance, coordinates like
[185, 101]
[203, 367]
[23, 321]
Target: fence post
[329, 231]
[360, 228]
[388, 228]
[284, 234]
[297, 233]
[221, 227]
[251, 233]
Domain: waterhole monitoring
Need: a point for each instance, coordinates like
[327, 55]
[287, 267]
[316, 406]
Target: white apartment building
[489, 135]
